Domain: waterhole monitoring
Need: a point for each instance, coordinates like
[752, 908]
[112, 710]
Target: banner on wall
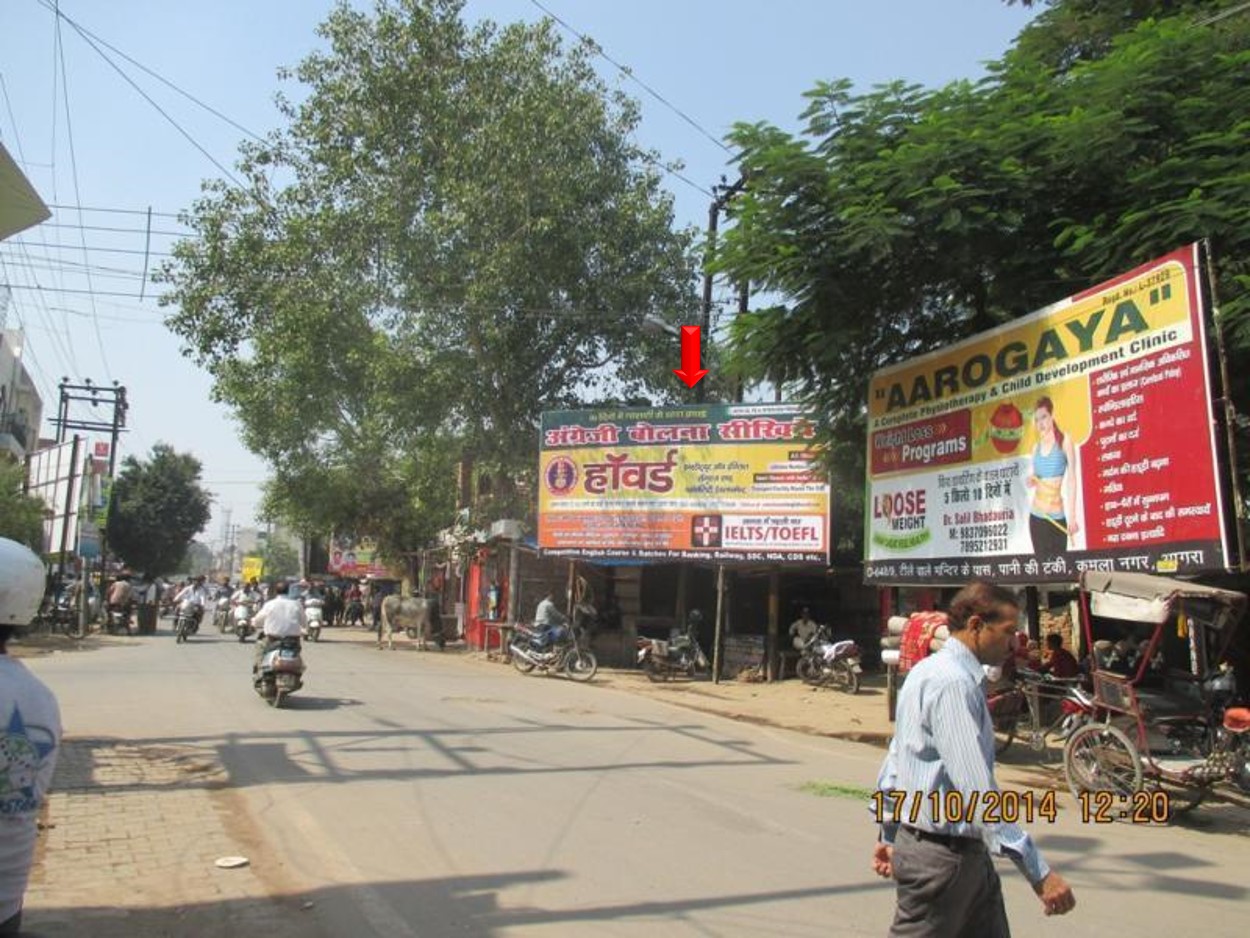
[1078, 437]
[355, 557]
[723, 482]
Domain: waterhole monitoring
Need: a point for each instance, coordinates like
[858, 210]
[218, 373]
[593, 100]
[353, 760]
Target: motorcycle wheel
[524, 665]
[180, 631]
[242, 636]
[315, 634]
[580, 665]
[846, 677]
[277, 699]
[809, 672]
[654, 671]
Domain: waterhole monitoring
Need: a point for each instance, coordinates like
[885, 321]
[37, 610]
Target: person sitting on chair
[802, 629]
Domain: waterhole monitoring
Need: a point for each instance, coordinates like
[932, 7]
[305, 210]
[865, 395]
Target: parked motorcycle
[680, 656]
[242, 614]
[314, 617]
[281, 671]
[823, 661]
[556, 648]
[187, 620]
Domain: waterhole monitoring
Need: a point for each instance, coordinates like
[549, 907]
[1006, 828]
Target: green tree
[453, 232]
[281, 560]
[21, 515]
[903, 219]
[158, 506]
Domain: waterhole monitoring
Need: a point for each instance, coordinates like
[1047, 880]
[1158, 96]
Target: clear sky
[85, 137]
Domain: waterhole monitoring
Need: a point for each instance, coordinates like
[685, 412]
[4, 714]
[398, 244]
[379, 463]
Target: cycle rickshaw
[1166, 658]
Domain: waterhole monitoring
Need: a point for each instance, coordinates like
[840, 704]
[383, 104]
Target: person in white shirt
[196, 593]
[281, 617]
[30, 733]
[802, 629]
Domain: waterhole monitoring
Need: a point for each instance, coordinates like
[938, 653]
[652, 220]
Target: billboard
[723, 482]
[355, 557]
[1078, 437]
[55, 474]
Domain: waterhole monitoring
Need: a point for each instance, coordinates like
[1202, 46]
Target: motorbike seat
[1237, 719]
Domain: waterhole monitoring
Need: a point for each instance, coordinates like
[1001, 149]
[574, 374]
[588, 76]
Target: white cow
[416, 616]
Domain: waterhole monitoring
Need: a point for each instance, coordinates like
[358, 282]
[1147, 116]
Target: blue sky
[717, 61]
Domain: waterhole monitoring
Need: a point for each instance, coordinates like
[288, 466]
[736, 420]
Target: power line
[73, 162]
[84, 32]
[629, 73]
[97, 249]
[178, 127]
[133, 231]
[115, 211]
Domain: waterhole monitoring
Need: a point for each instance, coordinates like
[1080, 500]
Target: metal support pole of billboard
[1230, 413]
[771, 643]
[718, 640]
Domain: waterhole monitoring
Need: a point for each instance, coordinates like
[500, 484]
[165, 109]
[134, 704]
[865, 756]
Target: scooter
[242, 616]
[314, 617]
[828, 662]
[680, 656]
[281, 671]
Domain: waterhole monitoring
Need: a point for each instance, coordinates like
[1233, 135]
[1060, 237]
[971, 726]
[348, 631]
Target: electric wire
[73, 162]
[130, 81]
[629, 73]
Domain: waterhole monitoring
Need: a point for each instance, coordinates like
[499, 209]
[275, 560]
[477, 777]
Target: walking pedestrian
[941, 759]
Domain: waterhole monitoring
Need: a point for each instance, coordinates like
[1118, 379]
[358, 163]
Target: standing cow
[418, 617]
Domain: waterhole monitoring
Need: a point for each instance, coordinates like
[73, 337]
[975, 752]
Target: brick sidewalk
[130, 835]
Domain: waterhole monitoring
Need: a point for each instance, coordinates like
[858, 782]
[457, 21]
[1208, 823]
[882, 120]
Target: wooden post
[720, 619]
[774, 621]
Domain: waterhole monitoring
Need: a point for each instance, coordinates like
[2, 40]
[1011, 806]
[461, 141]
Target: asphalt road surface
[406, 793]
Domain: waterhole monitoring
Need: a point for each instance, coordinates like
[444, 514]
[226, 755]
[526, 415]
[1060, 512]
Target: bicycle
[1042, 709]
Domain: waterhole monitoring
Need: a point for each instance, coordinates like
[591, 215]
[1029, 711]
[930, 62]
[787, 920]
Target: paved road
[423, 794]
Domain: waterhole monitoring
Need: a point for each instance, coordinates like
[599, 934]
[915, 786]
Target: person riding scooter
[548, 619]
[281, 617]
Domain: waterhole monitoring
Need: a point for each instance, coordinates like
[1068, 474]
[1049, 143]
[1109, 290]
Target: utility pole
[713, 220]
[93, 394]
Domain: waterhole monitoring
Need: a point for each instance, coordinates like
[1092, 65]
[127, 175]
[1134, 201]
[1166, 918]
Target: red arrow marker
[691, 357]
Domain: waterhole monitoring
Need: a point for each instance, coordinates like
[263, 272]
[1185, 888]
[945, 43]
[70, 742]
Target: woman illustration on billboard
[1052, 518]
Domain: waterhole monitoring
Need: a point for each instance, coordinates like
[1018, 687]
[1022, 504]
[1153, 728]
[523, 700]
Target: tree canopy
[157, 507]
[453, 232]
[21, 515]
[903, 218]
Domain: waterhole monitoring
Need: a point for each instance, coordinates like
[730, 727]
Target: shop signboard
[722, 482]
[356, 557]
[1078, 437]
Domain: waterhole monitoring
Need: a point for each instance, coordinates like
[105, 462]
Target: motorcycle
[281, 671]
[221, 615]
[553, 648]
[242, 615]
[823, 661]
[314, 617]
[117, 620]
[187, 620]
[681, 655]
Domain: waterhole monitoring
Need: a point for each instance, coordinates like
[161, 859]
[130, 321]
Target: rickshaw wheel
[1101, 757]
[1181, 798]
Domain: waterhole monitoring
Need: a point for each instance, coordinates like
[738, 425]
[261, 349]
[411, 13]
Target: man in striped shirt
[943, 743]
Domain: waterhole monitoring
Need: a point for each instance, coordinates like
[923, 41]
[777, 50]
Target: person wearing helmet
[30, 733]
